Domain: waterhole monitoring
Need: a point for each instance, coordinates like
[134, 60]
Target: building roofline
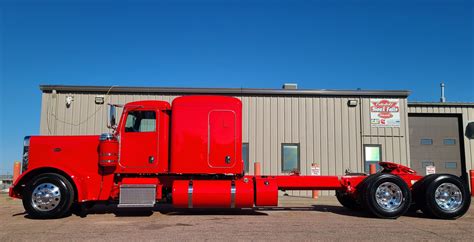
[438, 104]
[224, 91]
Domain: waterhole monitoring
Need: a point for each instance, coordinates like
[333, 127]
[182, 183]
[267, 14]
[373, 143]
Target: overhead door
[435, 141]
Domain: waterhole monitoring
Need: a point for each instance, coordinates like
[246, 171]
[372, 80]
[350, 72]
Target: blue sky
[318, 44]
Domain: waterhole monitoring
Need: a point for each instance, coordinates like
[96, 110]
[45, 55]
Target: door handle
[227, 159]
[151, 159]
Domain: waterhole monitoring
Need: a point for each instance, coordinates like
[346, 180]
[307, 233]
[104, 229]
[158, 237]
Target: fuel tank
[108, 150]
[213, 193]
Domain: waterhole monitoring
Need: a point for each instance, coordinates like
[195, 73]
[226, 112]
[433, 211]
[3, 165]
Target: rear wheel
[47, 196]
[445, 196]
[385, 195]
[347, 201]
[417, 191]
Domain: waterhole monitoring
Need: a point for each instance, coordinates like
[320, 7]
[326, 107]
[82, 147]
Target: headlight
[26, 148]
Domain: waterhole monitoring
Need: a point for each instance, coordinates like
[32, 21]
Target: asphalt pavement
[297, 219]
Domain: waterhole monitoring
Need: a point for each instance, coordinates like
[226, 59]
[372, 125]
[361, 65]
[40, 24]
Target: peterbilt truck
[188, 154]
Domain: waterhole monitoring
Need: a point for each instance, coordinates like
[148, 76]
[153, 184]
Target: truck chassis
[187, 155]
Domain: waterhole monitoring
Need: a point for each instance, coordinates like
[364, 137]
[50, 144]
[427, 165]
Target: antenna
[443, 98]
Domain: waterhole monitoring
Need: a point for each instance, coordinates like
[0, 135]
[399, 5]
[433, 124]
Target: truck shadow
[233, 212]
[162, 209]
[259, 211]
[340, 210]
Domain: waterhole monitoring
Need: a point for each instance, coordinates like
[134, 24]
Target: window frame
[246, 167]
[298, 157]
[423, 162]
[450, 162]
[422, 139]
[138, 132]
[368, 162]
[444, 141]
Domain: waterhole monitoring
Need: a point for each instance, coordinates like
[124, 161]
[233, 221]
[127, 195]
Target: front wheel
[386, 195]
[48, 196]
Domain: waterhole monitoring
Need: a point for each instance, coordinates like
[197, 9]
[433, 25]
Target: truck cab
[153, 144]
[143, 137]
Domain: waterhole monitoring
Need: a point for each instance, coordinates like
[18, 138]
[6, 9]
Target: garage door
[434, 141]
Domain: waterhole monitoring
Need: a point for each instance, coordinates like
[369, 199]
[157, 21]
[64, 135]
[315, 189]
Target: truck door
[139, 141]
[222, 146]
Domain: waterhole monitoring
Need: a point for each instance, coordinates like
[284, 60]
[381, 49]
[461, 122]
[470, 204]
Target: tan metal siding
[274, 136]
[44, 106]
[394, 141]
[329, 132]
[280, 131]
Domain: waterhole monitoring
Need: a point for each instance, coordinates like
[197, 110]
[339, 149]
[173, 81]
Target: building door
[372, 155]
[436, 141]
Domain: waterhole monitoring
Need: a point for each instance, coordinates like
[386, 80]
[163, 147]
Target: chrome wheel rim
[46, 197]
[448, 197]
[389, 196]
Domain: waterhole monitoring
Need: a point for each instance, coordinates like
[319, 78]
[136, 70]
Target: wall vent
[290, 86]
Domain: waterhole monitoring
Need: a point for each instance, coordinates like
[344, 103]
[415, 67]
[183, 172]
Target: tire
[385, 195]
[48, 196]
[417, 192]
[444, 196]
[347, 201]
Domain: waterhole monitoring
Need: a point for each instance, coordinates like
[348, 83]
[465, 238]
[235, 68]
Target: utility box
[206, 135]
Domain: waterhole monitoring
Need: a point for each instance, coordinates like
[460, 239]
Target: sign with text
[315, 170]
[385, 113]
[430, 170]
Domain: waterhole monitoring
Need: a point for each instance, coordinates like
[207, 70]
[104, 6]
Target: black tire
[347, 201]
[47, 210]
[385, 181]
[427, 198]
[417, 192]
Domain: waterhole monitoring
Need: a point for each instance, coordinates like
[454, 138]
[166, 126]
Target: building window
[449, 141]
[141, 121]
[290, 157]
[426, 163]
[451, 165]
[426, 141]
[372, 155]
[245, 156]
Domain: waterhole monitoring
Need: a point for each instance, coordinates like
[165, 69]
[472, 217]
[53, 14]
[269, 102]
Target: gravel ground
[300, 219]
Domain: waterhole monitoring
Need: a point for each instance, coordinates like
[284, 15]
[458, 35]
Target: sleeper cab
[206, 135]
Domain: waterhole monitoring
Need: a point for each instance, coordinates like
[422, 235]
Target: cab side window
[141, 121]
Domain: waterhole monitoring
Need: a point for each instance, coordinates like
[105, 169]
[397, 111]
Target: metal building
[289, 129]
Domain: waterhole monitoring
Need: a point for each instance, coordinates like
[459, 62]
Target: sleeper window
[141, 121]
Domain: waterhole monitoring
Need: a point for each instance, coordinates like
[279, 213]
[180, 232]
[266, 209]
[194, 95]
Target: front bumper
[12, 193]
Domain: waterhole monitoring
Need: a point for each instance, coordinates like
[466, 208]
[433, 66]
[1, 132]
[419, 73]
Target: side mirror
[112, 118]
[470, 130]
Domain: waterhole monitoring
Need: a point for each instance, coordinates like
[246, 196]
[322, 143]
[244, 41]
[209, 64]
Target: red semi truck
[189, 154]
